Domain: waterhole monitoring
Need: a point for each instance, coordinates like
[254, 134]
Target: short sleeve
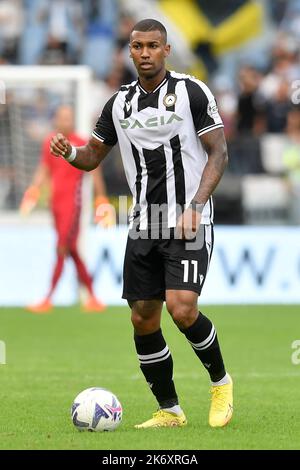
[105, 129]
[203, 106]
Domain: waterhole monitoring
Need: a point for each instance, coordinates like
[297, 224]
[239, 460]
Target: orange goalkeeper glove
[29, 200]
[105, 214]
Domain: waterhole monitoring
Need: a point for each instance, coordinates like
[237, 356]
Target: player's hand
[29, 200]
[188, 224]
[60, 146]
[105, 213]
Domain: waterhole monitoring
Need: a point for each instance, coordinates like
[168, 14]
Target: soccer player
[174, 153]
[66, 184]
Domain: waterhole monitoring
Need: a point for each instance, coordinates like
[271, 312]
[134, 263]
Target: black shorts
[153, 266]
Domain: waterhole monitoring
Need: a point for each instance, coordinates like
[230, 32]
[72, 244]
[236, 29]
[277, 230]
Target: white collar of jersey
[158, 86]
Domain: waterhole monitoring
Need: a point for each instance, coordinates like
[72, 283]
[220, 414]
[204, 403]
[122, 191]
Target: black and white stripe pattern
[160, 356]
[209, 128]
[205, 344]
[158, 135]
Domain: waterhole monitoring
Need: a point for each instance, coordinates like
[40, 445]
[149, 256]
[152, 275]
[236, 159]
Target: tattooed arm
[87, 158]
[215, 146]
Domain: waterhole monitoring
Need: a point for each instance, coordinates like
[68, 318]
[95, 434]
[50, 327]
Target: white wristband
[72, 155]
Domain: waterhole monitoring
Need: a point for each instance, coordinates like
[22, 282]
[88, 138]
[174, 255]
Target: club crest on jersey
[169, 100]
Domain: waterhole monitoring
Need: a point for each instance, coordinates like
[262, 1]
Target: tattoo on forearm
[215, 146]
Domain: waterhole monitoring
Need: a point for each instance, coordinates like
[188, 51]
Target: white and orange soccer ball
[96, 409]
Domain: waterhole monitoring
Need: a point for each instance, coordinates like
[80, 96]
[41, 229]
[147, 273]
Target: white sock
[226, 380]
[174, 409]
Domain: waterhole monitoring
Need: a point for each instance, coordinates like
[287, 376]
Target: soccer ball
[96, 409]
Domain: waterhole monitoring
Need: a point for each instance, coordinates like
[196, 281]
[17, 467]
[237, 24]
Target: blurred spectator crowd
[258, 95]
[61, 32]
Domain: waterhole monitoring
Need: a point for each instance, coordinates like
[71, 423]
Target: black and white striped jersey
[158, 134]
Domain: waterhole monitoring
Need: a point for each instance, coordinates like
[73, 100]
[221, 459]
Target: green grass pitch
[51, 358]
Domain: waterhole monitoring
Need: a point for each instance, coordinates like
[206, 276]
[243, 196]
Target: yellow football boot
[221, 408]
[163, 419]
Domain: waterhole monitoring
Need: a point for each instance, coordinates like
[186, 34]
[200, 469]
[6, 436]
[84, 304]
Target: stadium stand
[247, 51]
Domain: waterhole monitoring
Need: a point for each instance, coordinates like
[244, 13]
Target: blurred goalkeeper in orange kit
[65, 203]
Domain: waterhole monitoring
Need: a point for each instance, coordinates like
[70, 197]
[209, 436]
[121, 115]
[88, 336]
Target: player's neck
[149, 84]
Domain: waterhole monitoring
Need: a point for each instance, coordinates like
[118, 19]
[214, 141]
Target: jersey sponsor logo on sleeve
[212, 109]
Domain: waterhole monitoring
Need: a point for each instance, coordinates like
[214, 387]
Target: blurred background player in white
[65, 183]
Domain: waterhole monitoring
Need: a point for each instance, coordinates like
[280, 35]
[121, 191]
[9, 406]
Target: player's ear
[130, 55]
[167, 50]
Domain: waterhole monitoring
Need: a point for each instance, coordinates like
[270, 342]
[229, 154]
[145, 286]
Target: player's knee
[144, 326]
[137, 320]
[183, 314]
[145, 317]
[62, 250]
